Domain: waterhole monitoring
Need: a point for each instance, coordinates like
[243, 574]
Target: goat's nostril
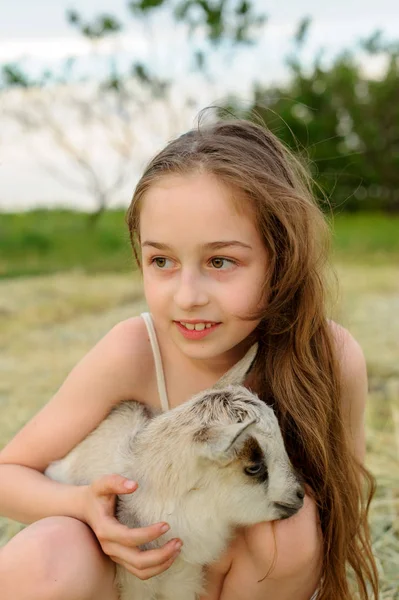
[301, 494]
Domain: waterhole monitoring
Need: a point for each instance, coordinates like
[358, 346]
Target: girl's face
[204, 265]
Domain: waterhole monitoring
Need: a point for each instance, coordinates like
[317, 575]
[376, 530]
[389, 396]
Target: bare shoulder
[117, 368]
[354, 385]
[118, 364]
[128, 351]
[350, 356]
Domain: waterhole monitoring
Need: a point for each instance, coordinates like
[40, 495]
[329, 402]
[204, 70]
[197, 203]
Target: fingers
[143, 535]
[113, 484]
[148, 563]
[145, 559]
[120, 542]
[111, 530]
[151, 572]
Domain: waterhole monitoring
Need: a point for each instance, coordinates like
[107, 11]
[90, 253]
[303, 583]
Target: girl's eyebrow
[210, 245]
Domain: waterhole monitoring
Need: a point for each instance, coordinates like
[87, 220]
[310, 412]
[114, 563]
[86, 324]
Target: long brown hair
[296, 369]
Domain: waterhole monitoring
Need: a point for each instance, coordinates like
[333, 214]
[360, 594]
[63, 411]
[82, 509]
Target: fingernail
[129, 485]
[165, 528]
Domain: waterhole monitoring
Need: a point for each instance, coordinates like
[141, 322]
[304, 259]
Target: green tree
[343, 123]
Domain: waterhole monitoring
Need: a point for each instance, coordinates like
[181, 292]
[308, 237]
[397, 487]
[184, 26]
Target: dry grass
[48, 323]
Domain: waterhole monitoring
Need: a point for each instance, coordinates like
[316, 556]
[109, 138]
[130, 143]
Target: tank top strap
[161, 384]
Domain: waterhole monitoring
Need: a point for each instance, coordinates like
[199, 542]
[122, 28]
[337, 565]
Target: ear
[221, 442]
[236, 375]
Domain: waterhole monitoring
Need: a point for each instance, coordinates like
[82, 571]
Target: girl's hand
[120, 542]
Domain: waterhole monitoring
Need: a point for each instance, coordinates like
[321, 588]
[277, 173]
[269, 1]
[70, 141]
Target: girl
[231, 247]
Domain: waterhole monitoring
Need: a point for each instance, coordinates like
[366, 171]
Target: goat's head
[223, 448]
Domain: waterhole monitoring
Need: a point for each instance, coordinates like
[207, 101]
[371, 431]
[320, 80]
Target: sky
[39, 29]
[46, 18]
[38, 34]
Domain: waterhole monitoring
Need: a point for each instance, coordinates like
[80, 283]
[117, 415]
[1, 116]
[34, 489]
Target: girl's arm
[27, 496]
[118, 368]
[107, 375]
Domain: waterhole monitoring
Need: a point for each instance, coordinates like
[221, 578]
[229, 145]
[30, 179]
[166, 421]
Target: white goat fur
[189, 464]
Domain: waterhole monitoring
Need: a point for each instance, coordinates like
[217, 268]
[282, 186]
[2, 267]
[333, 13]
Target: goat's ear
[236, 375]
[221, 442]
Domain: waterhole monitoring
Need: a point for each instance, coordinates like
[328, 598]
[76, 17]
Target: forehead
[197, 202]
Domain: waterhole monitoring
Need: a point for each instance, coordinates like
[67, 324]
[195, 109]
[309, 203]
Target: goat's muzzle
[289, 509]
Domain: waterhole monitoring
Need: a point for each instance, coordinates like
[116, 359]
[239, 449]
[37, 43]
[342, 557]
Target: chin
[202, 350]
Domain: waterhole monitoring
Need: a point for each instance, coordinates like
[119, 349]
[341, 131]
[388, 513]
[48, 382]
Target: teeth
[196, 326]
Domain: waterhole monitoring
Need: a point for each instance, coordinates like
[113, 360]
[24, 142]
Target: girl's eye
[160, 261]
[221, 263]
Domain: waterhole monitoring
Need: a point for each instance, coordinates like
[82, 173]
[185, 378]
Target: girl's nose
[191, 291]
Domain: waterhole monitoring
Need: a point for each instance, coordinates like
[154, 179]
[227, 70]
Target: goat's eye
[254, 469]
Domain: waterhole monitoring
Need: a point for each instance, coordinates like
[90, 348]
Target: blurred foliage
[47, 241]
[223, 20]
[100, 27]
[343, 123]
[219, 22]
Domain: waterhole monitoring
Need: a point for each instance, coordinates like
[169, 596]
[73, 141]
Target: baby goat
[214, 463]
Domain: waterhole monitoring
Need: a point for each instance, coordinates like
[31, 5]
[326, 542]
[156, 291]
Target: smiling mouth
[196, 326]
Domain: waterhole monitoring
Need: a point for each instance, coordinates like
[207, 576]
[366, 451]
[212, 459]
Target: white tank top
[163, 396]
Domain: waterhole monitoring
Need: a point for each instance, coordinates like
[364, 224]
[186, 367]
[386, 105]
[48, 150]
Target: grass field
[41, 241]
[49, 321]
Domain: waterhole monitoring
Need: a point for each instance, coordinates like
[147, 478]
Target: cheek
[261, 289]
[152, 290]
[248, 294]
